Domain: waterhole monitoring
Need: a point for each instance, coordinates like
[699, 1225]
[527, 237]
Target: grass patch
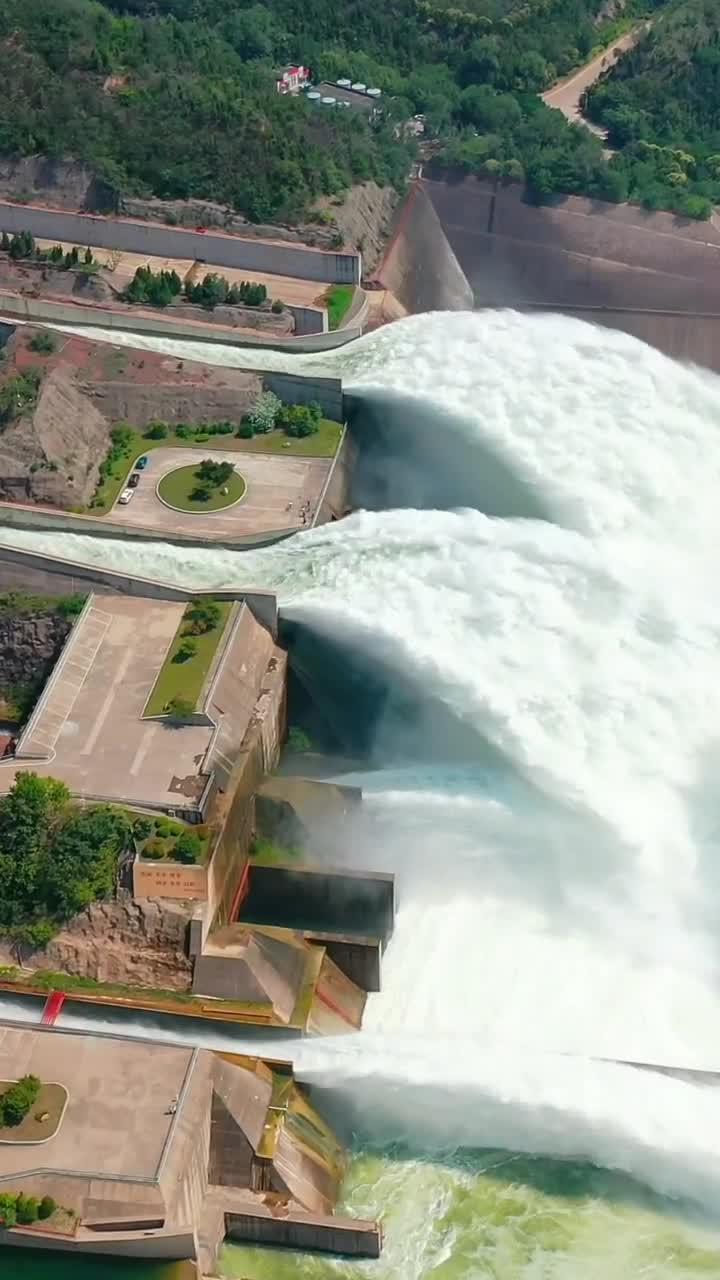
[264, 853]
[323, 444]
[49, 1103]
[338, 300]
[185, 679]
[177, 488]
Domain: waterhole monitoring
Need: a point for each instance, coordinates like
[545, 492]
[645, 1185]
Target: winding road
[566, 95]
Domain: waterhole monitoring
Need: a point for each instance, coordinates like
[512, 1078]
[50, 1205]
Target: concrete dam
[473, 242]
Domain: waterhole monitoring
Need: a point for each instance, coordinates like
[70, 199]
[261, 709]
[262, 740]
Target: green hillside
[661, 105]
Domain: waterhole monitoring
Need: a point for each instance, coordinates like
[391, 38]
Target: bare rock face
[30, 646]
[135, 943]
[53, 455]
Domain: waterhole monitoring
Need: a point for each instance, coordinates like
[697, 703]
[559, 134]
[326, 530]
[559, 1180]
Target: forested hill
[176, 98]
[661, 105]
[193, 110]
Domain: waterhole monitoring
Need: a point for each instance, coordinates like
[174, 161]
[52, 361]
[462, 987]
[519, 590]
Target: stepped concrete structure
[162, 1150]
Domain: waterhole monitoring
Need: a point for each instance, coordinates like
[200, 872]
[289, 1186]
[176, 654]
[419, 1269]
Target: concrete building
[160, 1151]
[292, 78]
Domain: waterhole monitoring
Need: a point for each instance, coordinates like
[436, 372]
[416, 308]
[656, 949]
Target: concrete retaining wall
[173, 242]
[50, 575]
[172, 1247]
[44, 519]
[41, 310]
[294, 389]
[419, 267]
[322, 899]
[349, 1236]
[335, 500]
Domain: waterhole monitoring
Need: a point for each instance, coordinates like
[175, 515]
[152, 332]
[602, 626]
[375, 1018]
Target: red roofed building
[293, 78]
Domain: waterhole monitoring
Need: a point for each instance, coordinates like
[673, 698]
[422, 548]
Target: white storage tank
[359, 88]
[374, 93]
[328, 102]
[343, 84]
[313, 96]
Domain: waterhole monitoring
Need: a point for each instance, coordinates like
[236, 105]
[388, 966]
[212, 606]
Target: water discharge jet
[555, 902]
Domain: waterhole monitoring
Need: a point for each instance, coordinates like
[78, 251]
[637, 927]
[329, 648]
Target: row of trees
[22, 245]
[160, 288]
[55, 858]
[17, 1209]
[269, 412]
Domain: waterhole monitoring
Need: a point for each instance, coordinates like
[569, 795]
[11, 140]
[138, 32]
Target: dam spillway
[557, 903]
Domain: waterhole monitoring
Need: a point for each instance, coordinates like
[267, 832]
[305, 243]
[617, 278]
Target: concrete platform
[87, 728]
[277, 490]
[124, 1087]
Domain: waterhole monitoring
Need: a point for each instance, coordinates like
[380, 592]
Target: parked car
[141, 463]
[125, 497]
[134, 480]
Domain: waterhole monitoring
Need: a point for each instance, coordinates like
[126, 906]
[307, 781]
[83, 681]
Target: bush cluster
[164, 838]
[269, 412]
[155, 288]
[214, 291]
[22, 245]
[17, 1209]
[16, 1101]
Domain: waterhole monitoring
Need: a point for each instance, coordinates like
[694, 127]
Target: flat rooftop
[280, 490]
[115, 1124]
[87, 729]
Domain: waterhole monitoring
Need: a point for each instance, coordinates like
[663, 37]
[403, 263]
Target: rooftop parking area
[87, 729]
[281, 493]
[116, 1122]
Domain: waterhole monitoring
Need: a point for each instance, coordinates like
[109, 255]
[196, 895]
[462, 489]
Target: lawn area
[322, 445]
[50, 1103]
[178, 486]
[185, 679]
[338, 300]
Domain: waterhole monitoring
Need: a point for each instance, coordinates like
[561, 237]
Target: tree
[5, 242]
[47, 1207]
[28, 1209]
[214, 473]
[302, 419]
[43, 343]
[202, 616]
[8, 1209]
[30, 815]
[180, 709]
[157, 431]
[88, 257]
[264, 413]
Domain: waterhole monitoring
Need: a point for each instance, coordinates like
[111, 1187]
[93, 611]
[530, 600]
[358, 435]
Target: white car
[125, 496]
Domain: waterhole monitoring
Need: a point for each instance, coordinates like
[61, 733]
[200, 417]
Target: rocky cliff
[29, 645]
[134, 943]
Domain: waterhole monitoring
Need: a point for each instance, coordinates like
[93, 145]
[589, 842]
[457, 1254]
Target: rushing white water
[563, 907]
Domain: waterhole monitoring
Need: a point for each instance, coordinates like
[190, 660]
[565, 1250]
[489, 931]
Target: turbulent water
[559, 900]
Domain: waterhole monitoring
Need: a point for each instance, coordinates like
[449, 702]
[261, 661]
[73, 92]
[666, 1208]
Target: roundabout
[201, 487]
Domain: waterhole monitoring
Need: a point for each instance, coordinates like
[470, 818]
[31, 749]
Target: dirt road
[566, 95]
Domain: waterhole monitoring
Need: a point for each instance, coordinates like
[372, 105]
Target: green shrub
[143, 828]
[180, 709]
[301, 419]
[44, 343]
[157, 431]
[246, 431]
[8, 1209]
[184, 431]
[188, 848]
[202, 616]
[297, 740]
[277, 306]
[185, 650]
[154, 850]
[28, 1209]
[167, 827]
[47, 1207]
[265, 412]
[202, 436]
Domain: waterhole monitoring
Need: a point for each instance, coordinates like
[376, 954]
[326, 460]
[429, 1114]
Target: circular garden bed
[184, 490]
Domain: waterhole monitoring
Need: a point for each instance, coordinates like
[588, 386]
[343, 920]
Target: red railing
[53, 1005]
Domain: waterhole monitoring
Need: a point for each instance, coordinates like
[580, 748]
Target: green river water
[492, 1216]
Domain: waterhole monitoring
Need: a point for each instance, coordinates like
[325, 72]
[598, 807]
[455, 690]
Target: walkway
[566, 95]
